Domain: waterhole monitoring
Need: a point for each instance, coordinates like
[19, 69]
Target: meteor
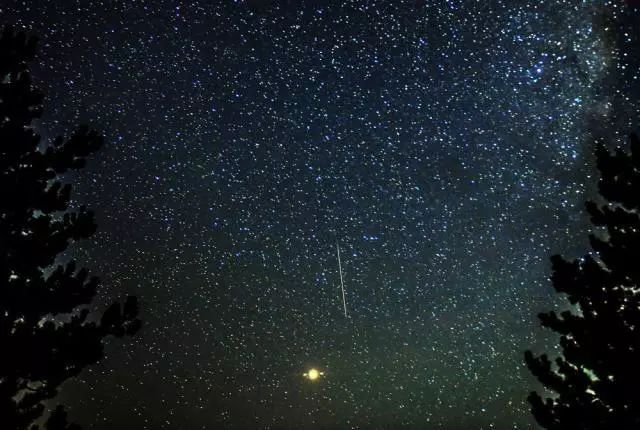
[344, 300]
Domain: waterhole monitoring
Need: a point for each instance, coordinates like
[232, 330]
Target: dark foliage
[45, 335]
[596, 380]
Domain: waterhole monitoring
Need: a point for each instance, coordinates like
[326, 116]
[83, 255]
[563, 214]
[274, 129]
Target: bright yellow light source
[313, 374]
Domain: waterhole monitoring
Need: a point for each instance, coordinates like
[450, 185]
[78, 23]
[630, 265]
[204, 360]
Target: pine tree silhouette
[45, 335]
[597, 378]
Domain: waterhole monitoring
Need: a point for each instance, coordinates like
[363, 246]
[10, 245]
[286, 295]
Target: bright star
[313, 374]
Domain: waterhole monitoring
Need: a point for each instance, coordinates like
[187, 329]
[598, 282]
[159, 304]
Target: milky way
[444, 145]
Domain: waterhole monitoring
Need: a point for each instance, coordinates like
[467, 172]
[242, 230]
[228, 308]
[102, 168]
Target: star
[313, 374]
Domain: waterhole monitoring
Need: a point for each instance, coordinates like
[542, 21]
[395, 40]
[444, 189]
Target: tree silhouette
[46, 336]
[597, 378]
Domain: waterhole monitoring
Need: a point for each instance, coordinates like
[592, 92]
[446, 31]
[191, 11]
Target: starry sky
[444, 146]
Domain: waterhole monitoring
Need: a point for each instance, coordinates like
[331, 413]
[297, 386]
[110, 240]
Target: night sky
[444, 146]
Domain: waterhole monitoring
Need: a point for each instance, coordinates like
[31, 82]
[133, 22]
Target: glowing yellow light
[313, 374]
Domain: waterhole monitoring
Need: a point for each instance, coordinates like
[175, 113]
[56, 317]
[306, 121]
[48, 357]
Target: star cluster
[443, 145]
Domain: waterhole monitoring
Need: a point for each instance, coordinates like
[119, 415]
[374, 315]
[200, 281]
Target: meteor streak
[344, 300]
